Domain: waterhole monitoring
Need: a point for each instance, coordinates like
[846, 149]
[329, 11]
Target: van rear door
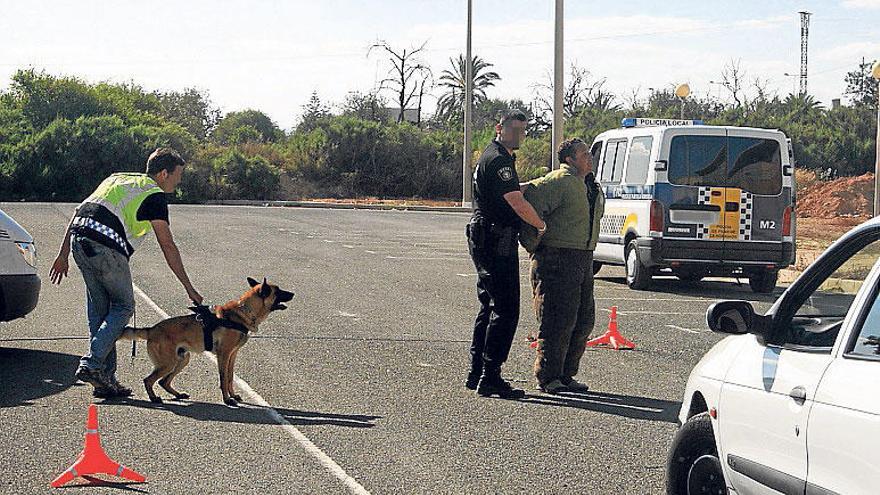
[755, 201]
[691, 189]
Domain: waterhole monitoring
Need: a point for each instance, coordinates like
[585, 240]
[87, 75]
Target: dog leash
[133, 341]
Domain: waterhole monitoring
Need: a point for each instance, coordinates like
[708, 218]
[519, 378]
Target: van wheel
[763, 282]
[638, 276]
[690, 274]
[693, 466]
[597, 265]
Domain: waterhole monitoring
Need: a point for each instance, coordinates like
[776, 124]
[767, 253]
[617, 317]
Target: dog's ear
[252, 282]
[265, 289]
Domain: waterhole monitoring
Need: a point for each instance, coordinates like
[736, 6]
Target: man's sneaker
[575, 386]
[491, 384]
[553, 387]
[94, 378]
[119, 390]
[103, 393]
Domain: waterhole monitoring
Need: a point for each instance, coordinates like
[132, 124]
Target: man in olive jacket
[572, 203]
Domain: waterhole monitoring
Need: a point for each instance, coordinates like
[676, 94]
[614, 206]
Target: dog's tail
[135, 333]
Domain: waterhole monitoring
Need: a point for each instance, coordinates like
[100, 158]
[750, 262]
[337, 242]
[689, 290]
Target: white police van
[19, 282]
[696, 200]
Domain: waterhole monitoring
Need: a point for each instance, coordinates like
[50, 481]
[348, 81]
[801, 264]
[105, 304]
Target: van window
[639, 156]
[698, 161]
[612, 162]
[596, 153]
[607, 162]
[618, 162]
[751, 164]
[755, 165]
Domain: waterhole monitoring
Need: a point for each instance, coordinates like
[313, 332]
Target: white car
[791, 402]
[19, 282]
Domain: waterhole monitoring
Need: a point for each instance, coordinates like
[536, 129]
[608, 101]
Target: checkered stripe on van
[745, 216]
[611, 224]
[704, 197]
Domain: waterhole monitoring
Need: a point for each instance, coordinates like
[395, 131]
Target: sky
[271, 55]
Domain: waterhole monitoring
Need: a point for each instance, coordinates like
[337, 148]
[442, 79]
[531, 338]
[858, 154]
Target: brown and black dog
[170, 341]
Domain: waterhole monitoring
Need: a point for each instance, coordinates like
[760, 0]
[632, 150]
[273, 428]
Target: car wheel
[638, 276]
[693, 466]
[690, 274]
[763, 282]
[597, 265]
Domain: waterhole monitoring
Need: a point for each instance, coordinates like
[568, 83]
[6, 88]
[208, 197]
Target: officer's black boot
[491, 384]
[475, 373]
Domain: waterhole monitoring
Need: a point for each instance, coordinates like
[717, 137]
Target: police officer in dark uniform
[492, 241]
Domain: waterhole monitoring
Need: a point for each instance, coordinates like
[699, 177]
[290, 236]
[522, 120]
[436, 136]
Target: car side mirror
[733, 317]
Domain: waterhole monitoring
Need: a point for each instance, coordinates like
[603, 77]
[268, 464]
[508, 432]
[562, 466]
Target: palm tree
[800, 107]
[451, 104]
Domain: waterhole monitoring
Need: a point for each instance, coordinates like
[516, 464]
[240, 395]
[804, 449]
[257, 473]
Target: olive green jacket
[561, 200]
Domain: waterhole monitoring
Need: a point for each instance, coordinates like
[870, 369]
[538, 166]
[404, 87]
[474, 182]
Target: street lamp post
[682, 91]
[558, 82]
[466, 171]
[875, 71]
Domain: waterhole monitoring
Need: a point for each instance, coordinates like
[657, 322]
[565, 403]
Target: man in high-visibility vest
[103, 234]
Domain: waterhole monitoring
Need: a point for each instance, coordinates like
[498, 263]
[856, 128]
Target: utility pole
[805, 35]
[558, 84]
[466, 172]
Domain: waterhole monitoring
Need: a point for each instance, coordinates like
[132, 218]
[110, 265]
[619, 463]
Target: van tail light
[656, 216]
[786, 221]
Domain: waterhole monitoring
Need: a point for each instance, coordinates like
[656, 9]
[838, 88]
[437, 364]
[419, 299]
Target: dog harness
[210, 322]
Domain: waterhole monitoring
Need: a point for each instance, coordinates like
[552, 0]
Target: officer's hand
[59, 269]
[194, 296]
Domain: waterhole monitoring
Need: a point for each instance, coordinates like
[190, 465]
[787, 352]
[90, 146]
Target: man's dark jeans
[496, 258]
[562, 287]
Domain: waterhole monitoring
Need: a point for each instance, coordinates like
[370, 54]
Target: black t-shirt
[495, 176]
[155, 207]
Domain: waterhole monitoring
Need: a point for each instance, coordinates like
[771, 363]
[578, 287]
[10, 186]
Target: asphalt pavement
[358, 386]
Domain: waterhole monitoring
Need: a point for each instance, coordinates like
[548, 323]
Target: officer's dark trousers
[497, 262]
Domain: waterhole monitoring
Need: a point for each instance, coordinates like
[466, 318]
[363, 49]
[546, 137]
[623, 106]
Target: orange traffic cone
[93, 460]
[612, 337]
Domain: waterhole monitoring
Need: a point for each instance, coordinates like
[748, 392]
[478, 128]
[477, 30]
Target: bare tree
[581, 91]
[407, 76]
[733, 78]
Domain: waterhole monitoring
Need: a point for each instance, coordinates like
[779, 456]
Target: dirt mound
[844, 197]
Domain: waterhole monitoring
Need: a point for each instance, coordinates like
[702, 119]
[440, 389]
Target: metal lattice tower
[805, 35]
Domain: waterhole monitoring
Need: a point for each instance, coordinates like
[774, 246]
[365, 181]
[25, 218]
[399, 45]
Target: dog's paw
[156, 400]
[231, 402]
[181, 396]
[236, 397]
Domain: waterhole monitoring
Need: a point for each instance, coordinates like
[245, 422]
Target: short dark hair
[163, 159]
[568, 148]
[512, 114]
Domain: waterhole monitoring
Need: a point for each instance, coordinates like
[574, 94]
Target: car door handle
[799, 394]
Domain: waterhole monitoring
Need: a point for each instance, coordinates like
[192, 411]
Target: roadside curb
[338, 206]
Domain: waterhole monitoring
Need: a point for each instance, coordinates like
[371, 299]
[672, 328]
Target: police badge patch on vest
[505, 173]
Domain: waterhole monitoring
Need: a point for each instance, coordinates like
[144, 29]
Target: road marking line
[326, 461]
[684, 329]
